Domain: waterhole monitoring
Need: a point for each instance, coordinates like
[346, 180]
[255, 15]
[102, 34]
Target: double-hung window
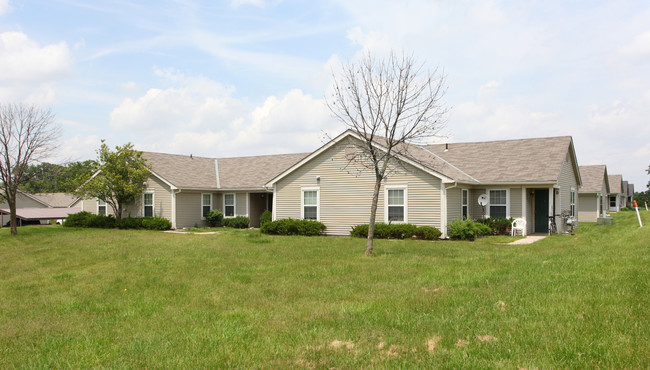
[147, 202]
[464, 203]
[101, 207]
[499, 203]
[206, 205]
[310, 201]
[396, 204]
[229, 205]
[572, 202]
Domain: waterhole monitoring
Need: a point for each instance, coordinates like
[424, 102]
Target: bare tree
[27, 134]
[389, 103]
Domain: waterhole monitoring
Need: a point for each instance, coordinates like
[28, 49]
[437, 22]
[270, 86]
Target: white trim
[153, 204]
[203, 205]
[234, 205]
[405, 205]
[174, 207]
[248, 211]
[273, 211]
[524, 208]
[302, 201]
[216, 170]
[464, 190]
[163, 180]
[489, 205]
[105, 207]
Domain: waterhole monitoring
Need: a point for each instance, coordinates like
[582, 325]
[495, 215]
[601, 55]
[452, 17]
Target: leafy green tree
[55, 178]
[119, 178]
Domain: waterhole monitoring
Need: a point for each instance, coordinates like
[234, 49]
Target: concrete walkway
[529, 239]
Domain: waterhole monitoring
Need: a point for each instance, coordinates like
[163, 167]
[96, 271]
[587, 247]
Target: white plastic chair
[518, 224]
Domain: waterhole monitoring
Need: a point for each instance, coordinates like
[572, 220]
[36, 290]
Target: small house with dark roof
[594, 194]
[616, 194]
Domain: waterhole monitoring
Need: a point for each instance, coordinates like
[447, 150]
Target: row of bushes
[291, 226]
[468, 229]
[396, 231]
[87, 219]
[215, 218]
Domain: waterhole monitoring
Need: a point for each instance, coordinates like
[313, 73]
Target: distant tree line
[57, 178]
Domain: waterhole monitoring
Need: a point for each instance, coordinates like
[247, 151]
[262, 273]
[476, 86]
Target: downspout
[443, 209]
[275, 199]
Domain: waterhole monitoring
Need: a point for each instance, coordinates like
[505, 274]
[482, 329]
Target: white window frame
[489, 206]
[203, 204]
[302, 201]
[100, 205]
[144, 205]
[572, 202]
[405, 205]
[234, 205]
[466, 204]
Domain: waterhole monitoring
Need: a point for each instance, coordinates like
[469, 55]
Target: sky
[249, 77]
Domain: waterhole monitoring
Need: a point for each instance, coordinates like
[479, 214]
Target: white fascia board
[171, 186]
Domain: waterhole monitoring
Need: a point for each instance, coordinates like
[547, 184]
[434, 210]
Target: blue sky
[248, 77]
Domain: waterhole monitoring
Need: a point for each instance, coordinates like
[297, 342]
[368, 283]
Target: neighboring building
[434, 185]
[184, 188]
[616, 195]
[39, 207]
[630, 194]
[593, 196]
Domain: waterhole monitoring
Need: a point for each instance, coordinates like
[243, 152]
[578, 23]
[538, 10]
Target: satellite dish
[483, 200]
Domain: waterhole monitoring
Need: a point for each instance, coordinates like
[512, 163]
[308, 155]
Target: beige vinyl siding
[217, 201]
[454, 204]
[588, 211]
[188, 209]
[567, 179]
[346, 192]
[475, 209]
[162, 200]
[515, 202]
[240, 204]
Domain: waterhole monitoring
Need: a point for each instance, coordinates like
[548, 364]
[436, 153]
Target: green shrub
[100, 222]
[266, 216]
[499, 225]
[214, 218]
[393, 231]
[239, 222]
[290, 226]
[468, 230]
[129, 223]
[79, 219]
[427, 233]
[156, 223]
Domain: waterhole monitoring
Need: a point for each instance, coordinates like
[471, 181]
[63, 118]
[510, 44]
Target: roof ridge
[502, 140]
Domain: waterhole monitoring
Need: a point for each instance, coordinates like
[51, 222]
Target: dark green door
[541, 210]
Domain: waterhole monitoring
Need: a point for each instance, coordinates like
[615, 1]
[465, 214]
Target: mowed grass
[141, 299]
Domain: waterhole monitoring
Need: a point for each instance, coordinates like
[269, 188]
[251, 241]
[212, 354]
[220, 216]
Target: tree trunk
[373, 215]
[13, 221]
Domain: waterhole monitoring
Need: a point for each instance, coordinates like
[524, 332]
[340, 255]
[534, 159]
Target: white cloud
[27, 70]
[200, 116]
[4, 7]
[638, 47]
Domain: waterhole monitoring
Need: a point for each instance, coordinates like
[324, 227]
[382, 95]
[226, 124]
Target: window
[206, 205]
[464, 203]
[101, 207]
[396, 204]
[229, 205]
[572, 203]
[310, 204]
[612, 202]
[498, 203]
[147, 201]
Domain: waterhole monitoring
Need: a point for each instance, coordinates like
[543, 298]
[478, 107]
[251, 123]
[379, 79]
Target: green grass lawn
[117, 298]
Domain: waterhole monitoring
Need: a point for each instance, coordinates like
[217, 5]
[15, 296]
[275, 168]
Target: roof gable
[616, 184]
[593, 178]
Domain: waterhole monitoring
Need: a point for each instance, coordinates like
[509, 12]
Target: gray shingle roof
[56, 200]
[192, 172]
[616, 184]
[507, 161]
[592, 178]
